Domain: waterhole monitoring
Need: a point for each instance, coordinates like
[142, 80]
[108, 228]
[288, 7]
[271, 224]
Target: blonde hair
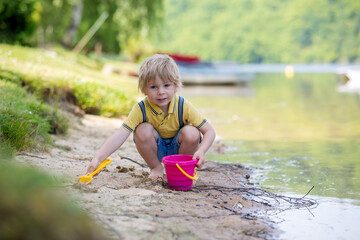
[160, 65]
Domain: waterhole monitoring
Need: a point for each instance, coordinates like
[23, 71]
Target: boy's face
[160, 92]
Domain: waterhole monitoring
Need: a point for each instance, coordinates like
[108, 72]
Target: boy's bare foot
[156, 173]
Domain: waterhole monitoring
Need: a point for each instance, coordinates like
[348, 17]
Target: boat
[194, 71]
[351, 80]
[184, 59]
[214, 74]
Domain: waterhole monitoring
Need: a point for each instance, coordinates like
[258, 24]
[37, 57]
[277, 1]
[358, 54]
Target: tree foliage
[18, 20]
[128, 20]
[264, 31]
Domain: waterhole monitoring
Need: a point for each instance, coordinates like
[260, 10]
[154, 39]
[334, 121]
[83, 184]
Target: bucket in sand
[180, 171]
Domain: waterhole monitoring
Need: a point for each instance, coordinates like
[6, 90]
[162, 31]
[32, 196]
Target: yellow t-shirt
[167, 127]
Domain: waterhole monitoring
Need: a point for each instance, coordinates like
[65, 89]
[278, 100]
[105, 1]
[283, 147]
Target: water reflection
[301, 128]
[298, 133]
[305, 107]
[332, 167]
[332, 219]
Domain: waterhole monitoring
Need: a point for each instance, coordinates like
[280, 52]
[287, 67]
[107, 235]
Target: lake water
[297, 132]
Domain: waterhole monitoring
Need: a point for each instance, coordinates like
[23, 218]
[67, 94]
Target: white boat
[214, 74]
[351, 80]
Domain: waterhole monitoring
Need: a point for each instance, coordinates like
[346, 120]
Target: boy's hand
[110, 146]
[208, 133]
[200, 156]
[93, 165]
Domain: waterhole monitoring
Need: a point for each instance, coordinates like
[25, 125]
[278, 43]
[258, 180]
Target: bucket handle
[195, 177]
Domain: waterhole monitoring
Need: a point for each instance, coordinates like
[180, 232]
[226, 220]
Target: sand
[130, 206]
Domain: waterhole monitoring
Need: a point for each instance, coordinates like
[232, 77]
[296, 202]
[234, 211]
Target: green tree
[261, 31]
[67, 21]
[18, 20]
[128, 20]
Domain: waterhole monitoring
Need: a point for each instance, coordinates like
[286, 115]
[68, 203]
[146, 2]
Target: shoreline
[130, 206]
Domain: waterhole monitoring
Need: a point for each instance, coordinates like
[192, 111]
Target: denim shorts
[168, 146]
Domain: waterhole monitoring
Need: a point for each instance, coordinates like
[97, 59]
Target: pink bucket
[180, 171]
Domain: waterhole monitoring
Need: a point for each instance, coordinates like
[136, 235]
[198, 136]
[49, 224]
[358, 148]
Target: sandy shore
[130, 206]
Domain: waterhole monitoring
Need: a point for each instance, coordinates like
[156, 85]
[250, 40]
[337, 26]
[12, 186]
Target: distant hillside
[263, 31]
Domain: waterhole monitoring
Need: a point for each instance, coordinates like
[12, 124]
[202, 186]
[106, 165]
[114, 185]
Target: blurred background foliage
[261, 31]
[246, 31]
[19, 20]
[43, 22]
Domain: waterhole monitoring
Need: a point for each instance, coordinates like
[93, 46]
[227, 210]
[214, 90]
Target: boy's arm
[111, 145]
[208, 138]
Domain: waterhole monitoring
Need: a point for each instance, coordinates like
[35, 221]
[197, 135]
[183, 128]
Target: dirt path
[132, 207]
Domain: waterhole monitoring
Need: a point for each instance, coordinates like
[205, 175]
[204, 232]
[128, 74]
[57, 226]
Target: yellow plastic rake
[88, 178]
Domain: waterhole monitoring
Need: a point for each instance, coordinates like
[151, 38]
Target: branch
[142, 165]
[30, 155]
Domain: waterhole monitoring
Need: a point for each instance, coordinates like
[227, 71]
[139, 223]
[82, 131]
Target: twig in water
[259, 193]
[310, 211]
[196, 216]
[308, 191]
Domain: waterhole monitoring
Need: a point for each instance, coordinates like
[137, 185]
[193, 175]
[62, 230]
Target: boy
[158, 129]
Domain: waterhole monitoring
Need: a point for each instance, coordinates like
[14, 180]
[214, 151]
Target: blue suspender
[142, 107]
[180, 111]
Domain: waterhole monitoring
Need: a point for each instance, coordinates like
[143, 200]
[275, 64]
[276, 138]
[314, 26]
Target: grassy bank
[32, 78]
[26, 122]
[62, 75]
[33, 83]
[31, 209]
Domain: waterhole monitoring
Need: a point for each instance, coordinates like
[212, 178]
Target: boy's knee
[144, 132]
[189, 134]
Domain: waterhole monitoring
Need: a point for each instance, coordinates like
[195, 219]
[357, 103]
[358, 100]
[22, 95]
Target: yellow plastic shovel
[88, 178]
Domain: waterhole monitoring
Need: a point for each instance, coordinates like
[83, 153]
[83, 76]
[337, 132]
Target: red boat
[179, 58]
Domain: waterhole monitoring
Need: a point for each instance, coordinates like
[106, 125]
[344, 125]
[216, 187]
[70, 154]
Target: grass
[76, 78]
[28, 79]
[31, 209]
[31, 77]
[26, 122]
